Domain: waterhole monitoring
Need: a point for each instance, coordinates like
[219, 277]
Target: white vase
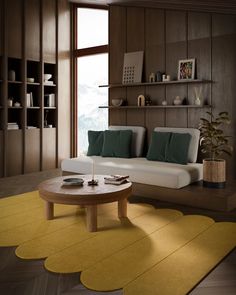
[177, 101]
[197, 101]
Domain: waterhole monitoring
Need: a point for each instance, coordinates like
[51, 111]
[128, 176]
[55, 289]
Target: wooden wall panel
[14, 162]
[176, 49]
[32, 29]
[135, 29]
[64, 78]
[154, 61]
[49, 30]
[223, 73]
[199, 47]
[1, 27]
[1, 153]
[117, 48]
[32, 150]
[49, 148]
[14, 27]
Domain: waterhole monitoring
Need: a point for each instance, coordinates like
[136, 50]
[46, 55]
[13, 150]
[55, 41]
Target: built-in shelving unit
[25, 146]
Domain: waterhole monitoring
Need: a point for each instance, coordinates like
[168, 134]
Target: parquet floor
[20, 277]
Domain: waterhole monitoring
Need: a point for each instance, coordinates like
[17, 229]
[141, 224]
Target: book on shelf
[29, 100]
[31, 127]
[48, 83]
[49, 100]
[12, 126]
[116, 179]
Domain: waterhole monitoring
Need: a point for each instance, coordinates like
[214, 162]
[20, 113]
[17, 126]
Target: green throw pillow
[117, 143]
[158, 147]
[177, 151]
[95, 139]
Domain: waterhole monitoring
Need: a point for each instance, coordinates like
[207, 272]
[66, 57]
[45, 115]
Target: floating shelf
[15, 108]
[157, 107]
[49, 108]
[157, 83]
[33, 108]
[15, 82]
[50, 85]
[33, 83]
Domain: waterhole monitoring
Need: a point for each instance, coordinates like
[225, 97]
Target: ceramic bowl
[116, 102]
[47, 77]
[31, 80]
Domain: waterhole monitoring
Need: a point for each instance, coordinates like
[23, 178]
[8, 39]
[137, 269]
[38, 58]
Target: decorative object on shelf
[164, 103]
[158, 76]
[45, 119]
[30, 80]
[74, 181]
[17, 104]
[186, 69]
[165, 78]
[198, 92]
[10, 102]
[152, 78]
[133, 67]
[49, 100]
[177, 101]
[12, 75]
[141, 100]
[117, 102]
[148, 101]
[214, 143]
[47, 77]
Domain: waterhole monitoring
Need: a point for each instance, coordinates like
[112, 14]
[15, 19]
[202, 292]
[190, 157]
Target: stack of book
[116, 179]
[12, 126]
[29, 100]
[49, 100]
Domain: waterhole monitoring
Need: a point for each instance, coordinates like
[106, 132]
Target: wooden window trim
[75, 54]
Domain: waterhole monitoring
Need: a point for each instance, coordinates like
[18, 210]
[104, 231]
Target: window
[91, 68]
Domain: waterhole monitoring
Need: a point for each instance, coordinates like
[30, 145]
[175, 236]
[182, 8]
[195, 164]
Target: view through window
[92, 71]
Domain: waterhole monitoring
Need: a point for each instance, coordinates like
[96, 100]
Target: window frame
[76, 53]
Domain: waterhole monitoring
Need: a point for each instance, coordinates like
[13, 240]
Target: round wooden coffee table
[52, 191]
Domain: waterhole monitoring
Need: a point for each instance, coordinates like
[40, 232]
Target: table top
[53, 190]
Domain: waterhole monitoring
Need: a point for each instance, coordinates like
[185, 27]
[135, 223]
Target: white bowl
[116, 102]
[31, 80]
[47, 77]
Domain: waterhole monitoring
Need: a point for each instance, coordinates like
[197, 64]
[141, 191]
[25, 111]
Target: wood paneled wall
[167, 36]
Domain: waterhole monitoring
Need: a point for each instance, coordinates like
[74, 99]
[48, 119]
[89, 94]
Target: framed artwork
[133, 67]
[186, 69]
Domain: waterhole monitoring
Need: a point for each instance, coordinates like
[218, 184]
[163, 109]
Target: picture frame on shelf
[186, 69]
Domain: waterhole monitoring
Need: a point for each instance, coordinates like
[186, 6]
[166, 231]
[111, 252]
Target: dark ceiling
[226, 6]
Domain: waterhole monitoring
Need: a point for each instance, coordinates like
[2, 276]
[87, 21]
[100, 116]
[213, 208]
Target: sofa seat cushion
[140, 170]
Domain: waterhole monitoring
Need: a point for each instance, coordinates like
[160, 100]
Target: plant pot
[214, 173]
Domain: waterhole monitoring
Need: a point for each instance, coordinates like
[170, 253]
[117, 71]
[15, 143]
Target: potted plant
[214, 142]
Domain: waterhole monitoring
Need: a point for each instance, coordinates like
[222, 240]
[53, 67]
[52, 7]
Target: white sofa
[141, 170]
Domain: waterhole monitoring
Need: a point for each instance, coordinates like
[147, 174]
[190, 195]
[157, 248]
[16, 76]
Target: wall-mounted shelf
[157, 83]
[15, 82]
[33, 83]
[49, 85]
[33, 108]
[157, 107]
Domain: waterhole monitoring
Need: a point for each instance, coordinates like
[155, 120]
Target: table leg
[122, 208]
[92, 218]
[49, 210]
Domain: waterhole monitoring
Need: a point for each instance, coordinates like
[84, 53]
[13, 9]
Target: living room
[39, 97]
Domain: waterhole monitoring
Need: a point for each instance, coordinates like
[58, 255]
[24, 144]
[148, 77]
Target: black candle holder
[93, 182]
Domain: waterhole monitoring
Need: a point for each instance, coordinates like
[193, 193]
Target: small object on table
[116, 179]
[93, 182]
[73, 181]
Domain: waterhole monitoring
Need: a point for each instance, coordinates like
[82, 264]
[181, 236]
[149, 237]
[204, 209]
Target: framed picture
[186, 69]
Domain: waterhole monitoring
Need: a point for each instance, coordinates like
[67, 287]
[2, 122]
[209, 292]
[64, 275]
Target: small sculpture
[165, 78]
[177, 101]
[152, 78]
[158, 76]
[164, 103]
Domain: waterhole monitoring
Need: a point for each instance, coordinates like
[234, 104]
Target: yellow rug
[154, 251]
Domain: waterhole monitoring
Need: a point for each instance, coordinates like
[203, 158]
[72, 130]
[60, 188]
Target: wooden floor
[20, 277]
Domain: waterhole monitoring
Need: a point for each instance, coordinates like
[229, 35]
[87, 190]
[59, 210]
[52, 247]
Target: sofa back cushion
[117, 143]
[158, 146]
[138, 137]
[177, 149]
[194, 141]
[95, 140]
